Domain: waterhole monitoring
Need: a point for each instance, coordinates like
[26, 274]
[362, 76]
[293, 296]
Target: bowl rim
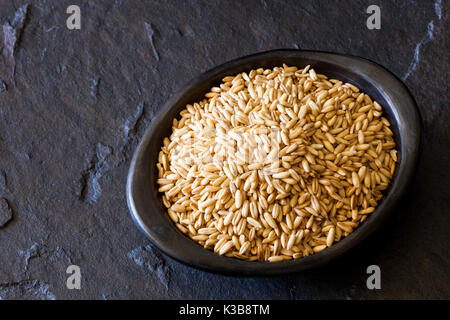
[397, 93]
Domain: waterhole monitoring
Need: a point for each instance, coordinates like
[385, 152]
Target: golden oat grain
[276, 164]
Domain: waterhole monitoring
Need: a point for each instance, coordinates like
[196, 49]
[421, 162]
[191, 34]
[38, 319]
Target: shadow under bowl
[151, 216]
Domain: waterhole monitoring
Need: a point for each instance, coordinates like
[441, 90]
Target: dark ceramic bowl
[146, 205]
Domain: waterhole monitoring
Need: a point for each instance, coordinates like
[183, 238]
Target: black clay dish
[145, 203]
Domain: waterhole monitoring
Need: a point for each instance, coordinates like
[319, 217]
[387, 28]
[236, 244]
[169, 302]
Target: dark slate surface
[73, 105]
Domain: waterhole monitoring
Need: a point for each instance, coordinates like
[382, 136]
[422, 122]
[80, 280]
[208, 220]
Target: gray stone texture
[74, 104]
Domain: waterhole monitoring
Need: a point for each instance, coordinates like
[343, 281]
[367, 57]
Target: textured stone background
[73, 105]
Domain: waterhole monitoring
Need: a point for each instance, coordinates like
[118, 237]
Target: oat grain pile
[276, 164]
